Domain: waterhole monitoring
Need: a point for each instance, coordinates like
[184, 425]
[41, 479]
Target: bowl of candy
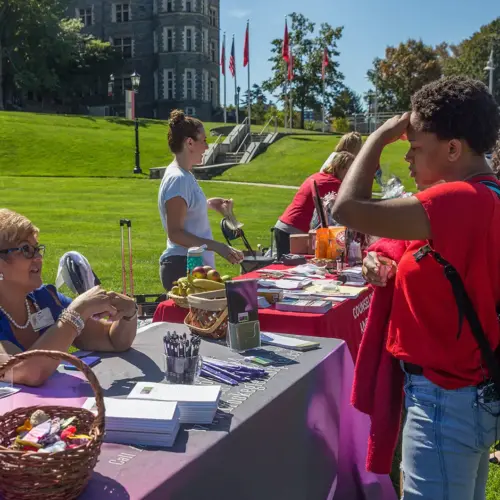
[49, 452]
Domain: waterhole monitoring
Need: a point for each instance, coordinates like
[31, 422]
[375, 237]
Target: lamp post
[238, 105]
[135, 78]
[111, 84]
[491, 68]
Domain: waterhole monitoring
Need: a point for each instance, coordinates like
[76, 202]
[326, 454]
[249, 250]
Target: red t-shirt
[423, 329]
[300, 212]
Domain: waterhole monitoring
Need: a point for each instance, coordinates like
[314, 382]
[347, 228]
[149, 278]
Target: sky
[369, 27]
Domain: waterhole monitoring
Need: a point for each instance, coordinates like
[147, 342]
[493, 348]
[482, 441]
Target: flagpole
[249, 99]
[236, 96]
[291, 77]
[323, 110]
[224, 74]
[285, 89]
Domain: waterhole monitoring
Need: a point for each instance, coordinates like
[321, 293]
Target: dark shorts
[171, 269]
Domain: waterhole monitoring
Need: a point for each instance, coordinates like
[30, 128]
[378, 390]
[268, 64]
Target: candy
[38, 417]
[29, 444]
[69, 431]
[38, 432]
[25, 427]
[49, 439]
[67, 422]
[58, 446]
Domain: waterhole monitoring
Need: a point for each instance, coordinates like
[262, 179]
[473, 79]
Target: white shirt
[179, 182]
[327, 162]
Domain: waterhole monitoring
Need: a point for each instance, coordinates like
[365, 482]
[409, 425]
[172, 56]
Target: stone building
[172, 44]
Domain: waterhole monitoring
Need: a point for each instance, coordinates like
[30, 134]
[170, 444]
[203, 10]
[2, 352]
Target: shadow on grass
[144, 123]
[308, 139]
[84, 117]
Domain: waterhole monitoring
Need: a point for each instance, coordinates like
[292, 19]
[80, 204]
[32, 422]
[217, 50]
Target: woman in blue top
[183, 206]
[35, 316]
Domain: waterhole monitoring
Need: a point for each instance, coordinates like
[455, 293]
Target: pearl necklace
[11, 319]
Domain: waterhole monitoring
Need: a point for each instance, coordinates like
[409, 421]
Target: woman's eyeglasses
[28, 251]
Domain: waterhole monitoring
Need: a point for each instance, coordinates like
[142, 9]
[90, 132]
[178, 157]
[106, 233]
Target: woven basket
[179, 300]
[52, 476]
[207, 315]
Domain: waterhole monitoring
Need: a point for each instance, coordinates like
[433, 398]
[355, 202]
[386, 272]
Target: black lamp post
[238, 105]
[135, 78]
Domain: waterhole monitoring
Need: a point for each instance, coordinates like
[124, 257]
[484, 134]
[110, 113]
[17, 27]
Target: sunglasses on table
[28, 251]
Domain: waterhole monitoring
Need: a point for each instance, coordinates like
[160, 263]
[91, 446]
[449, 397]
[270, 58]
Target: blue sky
[369, 26]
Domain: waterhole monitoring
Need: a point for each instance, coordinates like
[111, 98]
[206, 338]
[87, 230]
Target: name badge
[42, 319]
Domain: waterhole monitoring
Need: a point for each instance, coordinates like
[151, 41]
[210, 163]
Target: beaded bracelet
[74, 319]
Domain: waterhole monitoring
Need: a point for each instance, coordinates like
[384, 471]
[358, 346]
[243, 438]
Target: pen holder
[182, 370]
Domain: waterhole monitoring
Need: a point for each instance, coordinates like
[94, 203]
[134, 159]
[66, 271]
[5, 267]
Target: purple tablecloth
[297, 437]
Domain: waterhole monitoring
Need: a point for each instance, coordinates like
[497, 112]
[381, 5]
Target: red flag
[223, 56]
[232, 61]
[285, 54]
[324, 64]
[246, 50]
[290, 67]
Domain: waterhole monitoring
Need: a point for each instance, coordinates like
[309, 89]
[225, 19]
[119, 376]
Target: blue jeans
[446, 440]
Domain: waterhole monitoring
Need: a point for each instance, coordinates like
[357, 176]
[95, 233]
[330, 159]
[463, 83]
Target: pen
[220, 377]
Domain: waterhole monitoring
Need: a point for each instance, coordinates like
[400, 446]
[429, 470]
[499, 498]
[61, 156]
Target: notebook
[197, 403]
[292, 343]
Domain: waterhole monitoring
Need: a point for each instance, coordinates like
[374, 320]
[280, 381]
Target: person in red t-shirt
[296, 219]
[450, 425]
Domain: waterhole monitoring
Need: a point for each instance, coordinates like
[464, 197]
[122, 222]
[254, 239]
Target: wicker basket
[52, 476]
[207, 315]
[179, 300]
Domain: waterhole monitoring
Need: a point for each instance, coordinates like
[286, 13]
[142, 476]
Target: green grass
[84, 214]
[80, 146]
[291, 160]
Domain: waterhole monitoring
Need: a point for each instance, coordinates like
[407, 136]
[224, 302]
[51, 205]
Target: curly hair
[458, 108]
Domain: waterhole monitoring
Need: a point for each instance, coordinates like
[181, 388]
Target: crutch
[128, 223]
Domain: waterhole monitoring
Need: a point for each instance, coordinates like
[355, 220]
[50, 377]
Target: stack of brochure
[148, 423]
[197, 403]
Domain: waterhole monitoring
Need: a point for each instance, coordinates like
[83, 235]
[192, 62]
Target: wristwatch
[130, 318]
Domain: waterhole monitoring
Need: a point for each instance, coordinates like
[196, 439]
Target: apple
[213, 275]
[207, 268]
[199, 273]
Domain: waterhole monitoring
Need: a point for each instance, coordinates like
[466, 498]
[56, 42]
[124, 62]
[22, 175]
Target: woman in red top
[450, 422]
[297, 217]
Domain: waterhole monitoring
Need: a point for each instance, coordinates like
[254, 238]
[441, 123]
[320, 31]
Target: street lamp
[135, 78]
[491, 68]
[111, 84]
[238, 104]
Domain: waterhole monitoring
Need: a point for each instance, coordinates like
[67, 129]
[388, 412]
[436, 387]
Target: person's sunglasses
[28, 251]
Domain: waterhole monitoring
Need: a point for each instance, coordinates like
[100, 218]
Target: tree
[404, 70]
[307, 85]
[42, 51]
[256, 95]
[346, 103]
[469, 58]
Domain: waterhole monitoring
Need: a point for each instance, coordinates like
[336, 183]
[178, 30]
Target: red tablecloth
[345, 320]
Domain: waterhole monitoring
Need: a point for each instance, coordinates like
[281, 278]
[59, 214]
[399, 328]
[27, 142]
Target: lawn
[84, 214]
[86, 146]
[292, 159]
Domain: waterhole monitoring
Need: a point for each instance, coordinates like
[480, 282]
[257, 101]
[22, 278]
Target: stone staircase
[240, 146]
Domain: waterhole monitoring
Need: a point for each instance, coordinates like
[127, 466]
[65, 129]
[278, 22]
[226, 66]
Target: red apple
[213, 275]
[207, 268]
[199, 273]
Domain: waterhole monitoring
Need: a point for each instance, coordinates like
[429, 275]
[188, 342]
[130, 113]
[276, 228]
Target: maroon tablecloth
[345, 320]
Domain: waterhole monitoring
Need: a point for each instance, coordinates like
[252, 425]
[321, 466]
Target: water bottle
[195, 258]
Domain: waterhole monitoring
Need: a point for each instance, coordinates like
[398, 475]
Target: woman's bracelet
[74, 319]
[130, 318]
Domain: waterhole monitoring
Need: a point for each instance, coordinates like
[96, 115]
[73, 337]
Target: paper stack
[148, 423]
[288, 342]
[197, 403]
[354, 276]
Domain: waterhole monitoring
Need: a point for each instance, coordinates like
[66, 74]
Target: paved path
[279, 186]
